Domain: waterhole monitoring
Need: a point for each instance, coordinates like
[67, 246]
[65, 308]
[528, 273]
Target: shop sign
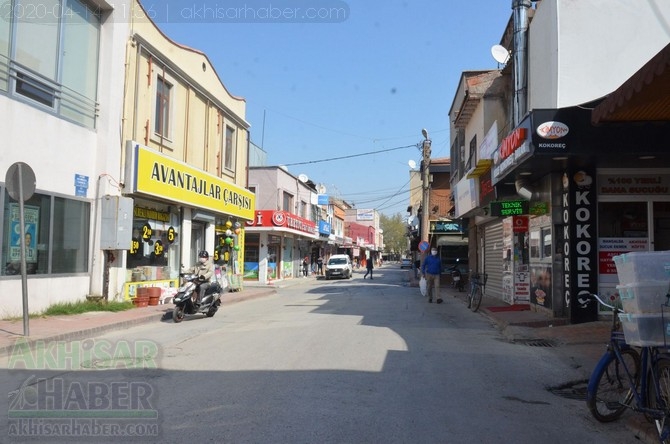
[445, 226]
[513, 149]
[580, 259]
[486, 191]
[271, 218]
[324, 227]
[322, 199]
[365, 214]
[151, 173]
[520, 224]
[506, 208]
[146, 213]
[634, 184]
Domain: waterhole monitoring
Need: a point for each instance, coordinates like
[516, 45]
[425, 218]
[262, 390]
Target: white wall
[580, 51]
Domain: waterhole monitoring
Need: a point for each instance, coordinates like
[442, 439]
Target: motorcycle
[457, 280]
[185, 300]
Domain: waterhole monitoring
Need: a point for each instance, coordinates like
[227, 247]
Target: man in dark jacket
[431, 269]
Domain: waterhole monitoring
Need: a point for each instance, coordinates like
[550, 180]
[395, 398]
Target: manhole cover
[536, 342]
[571, 390]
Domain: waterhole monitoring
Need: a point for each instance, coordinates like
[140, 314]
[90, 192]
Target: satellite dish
[284, 167]
[500, 53]
[321, 189]
[412, 164]
[413, 221]
[303, 178]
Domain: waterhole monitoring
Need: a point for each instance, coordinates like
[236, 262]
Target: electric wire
[351, 156]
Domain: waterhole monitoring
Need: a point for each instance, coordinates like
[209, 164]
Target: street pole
[425, 176]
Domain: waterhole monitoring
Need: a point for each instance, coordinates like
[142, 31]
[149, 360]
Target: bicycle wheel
[476, 298]
[609, 397]
[661, 400]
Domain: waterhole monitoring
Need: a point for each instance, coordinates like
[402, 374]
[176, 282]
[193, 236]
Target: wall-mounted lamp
[522, 189]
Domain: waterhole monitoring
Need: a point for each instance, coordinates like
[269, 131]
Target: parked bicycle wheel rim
[662, 399]
[476, 298]
[609, 391]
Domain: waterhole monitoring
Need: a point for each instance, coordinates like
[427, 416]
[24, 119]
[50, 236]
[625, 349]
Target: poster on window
[31, 220]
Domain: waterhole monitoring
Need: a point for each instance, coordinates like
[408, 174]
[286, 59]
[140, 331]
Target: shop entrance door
[197, 241]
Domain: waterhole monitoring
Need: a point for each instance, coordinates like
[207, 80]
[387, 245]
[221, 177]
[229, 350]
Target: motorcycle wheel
[178, 314]
[212, 311]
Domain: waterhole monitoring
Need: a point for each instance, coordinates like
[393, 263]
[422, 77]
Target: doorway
[197, 240]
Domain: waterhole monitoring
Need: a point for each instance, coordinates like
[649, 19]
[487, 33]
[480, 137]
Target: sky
[359, 81]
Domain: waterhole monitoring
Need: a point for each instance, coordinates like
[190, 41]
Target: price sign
[171, 235]
[158, 248]
[146, 232]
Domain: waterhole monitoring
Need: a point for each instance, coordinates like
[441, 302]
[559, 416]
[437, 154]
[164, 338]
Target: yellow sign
[161, 176]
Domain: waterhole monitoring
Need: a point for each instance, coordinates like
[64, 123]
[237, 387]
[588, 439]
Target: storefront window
[57, 232]
[154, 252]
[251, 252]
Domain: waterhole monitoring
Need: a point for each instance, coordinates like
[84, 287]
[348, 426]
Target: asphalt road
[350, 361]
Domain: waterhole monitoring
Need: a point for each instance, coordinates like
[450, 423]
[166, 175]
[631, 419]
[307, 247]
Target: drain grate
[536, 342]
[571, 390]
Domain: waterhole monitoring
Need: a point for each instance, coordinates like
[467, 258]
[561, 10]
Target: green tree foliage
[395, 233]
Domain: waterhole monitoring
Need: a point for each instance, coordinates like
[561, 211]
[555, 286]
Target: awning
[483, 165]
[444, 241]
[645, 96]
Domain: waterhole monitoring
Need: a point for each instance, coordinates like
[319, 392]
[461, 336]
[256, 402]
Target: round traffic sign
[424, 245]
[20, 180]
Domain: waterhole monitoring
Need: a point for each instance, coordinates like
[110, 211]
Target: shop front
[278, 241]
[590, 193]
[178, 211]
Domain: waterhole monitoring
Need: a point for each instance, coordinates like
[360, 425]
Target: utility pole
[425, 176]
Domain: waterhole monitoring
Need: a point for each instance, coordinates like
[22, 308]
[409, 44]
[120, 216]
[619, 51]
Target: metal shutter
[493, 258]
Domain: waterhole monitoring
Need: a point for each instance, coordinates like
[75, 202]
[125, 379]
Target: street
[339, 361]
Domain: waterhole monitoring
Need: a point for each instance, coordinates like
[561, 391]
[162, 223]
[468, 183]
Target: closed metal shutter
[493, 258]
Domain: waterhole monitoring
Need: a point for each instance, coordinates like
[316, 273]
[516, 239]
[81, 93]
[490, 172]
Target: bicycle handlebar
[603, 303]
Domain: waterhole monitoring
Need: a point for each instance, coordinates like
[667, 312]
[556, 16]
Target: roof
[476, 86]
[645, 96]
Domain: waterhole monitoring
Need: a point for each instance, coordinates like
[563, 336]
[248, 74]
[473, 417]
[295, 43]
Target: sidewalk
[66, 328]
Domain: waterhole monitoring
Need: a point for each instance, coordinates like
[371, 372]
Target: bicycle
[477, 284]
[625, 378]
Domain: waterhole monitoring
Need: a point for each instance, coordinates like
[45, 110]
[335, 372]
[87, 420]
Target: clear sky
[366, 77]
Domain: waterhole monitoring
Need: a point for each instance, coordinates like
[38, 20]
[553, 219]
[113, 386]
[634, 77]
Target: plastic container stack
[644, 286]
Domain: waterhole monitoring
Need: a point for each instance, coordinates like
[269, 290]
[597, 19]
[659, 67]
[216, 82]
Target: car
[406, 263]
[339, 265]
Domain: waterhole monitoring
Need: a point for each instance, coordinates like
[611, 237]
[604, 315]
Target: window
[303, 209]
[56, 240]
[162, 116]
[229, 152]
[287, 204]
[55, 61]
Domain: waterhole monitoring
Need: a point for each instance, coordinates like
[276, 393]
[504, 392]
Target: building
[60, 115]
[285, 227]
[579, 170]
[184, 164]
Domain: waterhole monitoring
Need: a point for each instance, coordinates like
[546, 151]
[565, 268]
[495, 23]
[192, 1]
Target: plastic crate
[648, 329]
[642, 266]
[644, 297]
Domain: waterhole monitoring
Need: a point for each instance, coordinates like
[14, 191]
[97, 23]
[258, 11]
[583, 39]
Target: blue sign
[322, 199]
[324, 227]
[423, 246]
[80, 185]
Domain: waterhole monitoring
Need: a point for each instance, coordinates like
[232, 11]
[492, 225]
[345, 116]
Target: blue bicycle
[631, 378]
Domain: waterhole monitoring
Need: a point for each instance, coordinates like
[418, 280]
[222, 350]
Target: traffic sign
[423, 246]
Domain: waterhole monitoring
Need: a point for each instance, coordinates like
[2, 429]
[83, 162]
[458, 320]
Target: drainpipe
[520, 12]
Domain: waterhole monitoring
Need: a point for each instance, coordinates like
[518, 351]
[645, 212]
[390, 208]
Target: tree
[395, 234]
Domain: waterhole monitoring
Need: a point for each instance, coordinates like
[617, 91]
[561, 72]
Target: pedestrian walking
[305, 264]
[369, 267]
[431, 269]
[319, 265]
